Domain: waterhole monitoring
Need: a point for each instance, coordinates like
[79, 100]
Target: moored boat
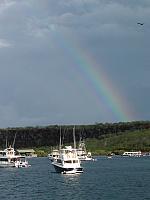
[54, 155]
[82, 152]
[132, 154]
[68, 161]
[8, 158]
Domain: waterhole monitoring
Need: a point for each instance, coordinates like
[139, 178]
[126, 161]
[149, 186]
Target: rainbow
[97, 81]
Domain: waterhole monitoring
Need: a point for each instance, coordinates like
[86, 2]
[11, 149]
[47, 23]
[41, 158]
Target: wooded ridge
[27, 137]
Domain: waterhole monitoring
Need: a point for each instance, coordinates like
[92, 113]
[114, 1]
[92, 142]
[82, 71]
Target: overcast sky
[45, 47]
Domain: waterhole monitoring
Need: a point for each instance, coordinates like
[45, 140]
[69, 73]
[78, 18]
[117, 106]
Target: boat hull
[85, 159]
[61, 169]
[6, 165]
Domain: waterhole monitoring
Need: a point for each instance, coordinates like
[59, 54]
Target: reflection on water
[72, 179]
[106, 179]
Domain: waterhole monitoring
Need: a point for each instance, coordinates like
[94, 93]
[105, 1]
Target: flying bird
[139, 23]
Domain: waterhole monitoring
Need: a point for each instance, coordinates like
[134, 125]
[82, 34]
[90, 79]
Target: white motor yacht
[8, 158]
[133, 153]
[68, 161]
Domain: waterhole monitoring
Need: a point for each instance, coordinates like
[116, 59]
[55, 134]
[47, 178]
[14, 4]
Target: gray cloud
[4, 43]
[6, 4]
[39, 78]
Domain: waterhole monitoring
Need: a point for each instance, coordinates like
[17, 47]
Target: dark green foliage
[35, 137]
[134, 140]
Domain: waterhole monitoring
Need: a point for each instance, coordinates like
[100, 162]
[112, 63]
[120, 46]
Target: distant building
[27, 152]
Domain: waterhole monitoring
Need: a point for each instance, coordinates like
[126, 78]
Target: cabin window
[2, 154]
[75, 161]
[3, 159]
[68, 161]
[59, 161]
[22, 159]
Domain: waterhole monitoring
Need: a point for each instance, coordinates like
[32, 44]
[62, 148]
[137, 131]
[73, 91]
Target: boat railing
[69, 155]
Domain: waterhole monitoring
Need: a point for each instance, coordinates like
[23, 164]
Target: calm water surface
[106, 179]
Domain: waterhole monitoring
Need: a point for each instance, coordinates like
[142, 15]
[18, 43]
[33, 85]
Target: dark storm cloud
[38, 81]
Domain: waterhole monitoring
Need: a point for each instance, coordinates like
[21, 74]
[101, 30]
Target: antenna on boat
[74, 139]
[60, 139]
[6, 143]
[81, 136]
[14, 141]
[64, 132]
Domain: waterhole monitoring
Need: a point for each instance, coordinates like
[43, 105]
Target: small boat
[8, 158]
[82, 152]
[109, 157]
[54, 155]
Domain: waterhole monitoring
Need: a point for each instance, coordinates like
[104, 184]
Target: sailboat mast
[60, 139]
[14, 141]
[74, 138]
[6, 143]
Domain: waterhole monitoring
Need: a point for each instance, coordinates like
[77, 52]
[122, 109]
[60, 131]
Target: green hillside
[100, 138]
[128, 141]
[136, 140]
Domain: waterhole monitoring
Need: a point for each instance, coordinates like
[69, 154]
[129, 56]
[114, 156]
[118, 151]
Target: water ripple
[106, 179]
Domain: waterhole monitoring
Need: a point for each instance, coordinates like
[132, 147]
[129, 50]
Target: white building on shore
[27, 152]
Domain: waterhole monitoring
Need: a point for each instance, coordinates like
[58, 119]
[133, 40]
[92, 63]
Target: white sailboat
[54, 155]
[82, 152]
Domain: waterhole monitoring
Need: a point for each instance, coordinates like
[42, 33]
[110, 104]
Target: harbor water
[115, 178]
